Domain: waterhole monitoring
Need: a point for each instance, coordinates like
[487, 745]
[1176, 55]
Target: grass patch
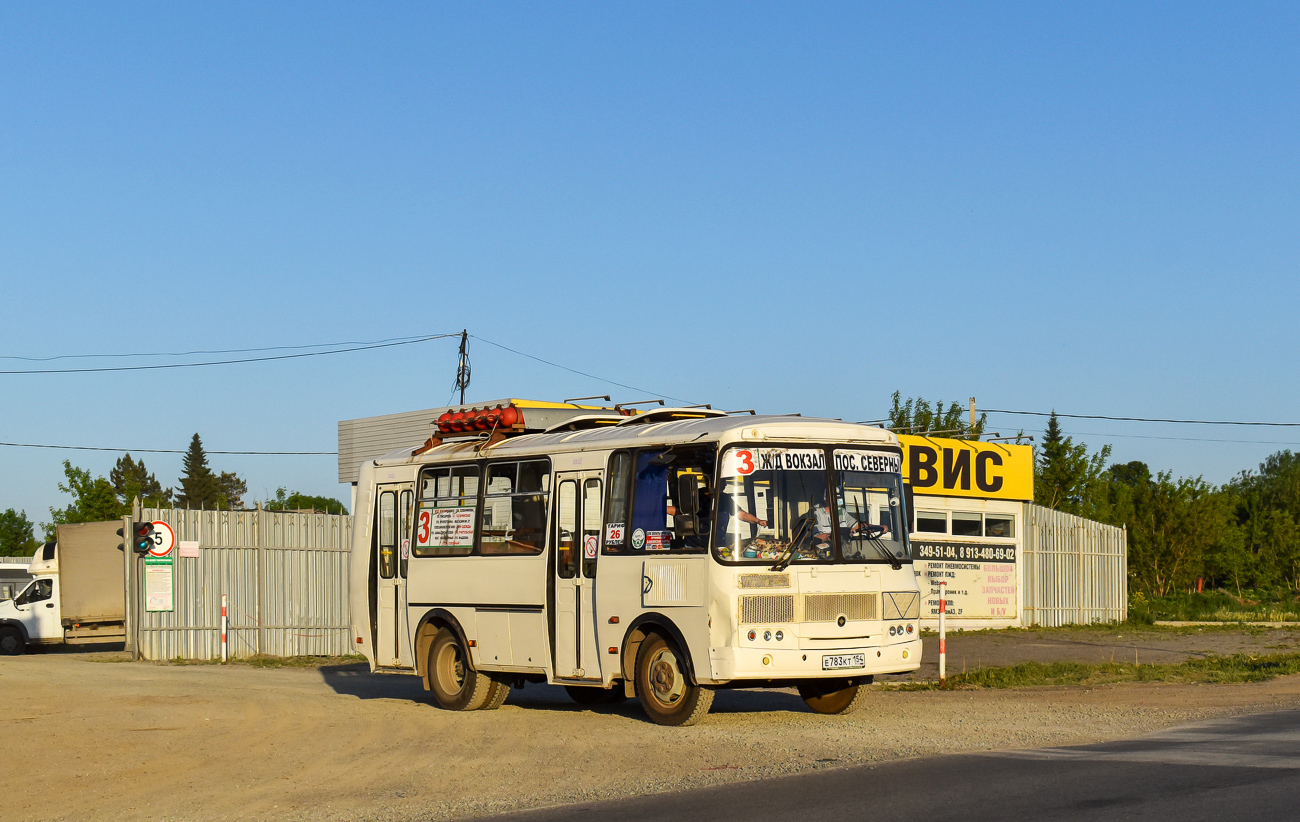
[1217, 606]
[1215, 669]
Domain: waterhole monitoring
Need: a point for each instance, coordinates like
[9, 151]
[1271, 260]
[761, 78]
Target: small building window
[1000, 526]
[965, 524]
[931, 522]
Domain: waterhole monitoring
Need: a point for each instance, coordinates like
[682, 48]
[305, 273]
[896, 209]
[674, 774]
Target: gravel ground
[120, 740]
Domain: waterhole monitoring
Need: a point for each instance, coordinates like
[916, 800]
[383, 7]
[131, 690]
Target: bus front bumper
[791, 663]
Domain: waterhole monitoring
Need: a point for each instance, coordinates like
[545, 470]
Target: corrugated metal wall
[1076, 570]
[285, 574]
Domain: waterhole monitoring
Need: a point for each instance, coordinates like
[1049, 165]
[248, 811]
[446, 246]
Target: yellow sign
[964, 468]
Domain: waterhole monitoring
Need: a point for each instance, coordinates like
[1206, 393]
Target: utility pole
[972, 414]
[462, 367]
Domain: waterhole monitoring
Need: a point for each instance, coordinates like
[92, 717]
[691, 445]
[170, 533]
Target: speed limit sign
[164, 540]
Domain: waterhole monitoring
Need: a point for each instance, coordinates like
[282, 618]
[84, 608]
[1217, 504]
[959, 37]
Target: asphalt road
[1245, 768]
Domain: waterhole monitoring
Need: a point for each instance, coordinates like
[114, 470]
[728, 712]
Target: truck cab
[32, 617]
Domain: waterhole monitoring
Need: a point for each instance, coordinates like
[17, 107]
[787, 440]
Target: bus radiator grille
[759, 610]
[764, 580]
[830, 607]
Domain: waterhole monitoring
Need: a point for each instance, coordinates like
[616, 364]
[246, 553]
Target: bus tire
[592, 696]
[455, 684]
[667, 696]
[11, 641]
[833, 696]
[500, 690]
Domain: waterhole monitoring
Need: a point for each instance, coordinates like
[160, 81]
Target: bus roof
[635, 432]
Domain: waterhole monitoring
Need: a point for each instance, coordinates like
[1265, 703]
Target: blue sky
[1091, 208]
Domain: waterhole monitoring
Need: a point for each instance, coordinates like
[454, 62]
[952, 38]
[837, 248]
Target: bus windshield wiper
[894, 562]
[786, 558]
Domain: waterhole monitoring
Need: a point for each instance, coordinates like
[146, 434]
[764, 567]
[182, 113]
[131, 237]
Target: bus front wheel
[455, 684]
[833, 696]
[666, 694]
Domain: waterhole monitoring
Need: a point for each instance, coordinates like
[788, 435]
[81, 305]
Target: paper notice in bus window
[741, 462]
[658, 540]
[614, 533]
[445, 527]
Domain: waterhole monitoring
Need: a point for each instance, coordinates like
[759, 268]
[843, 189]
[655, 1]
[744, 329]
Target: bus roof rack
[586, 423]
[670, 414]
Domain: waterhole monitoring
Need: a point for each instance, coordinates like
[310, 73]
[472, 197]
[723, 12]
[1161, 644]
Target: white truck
[78, 594]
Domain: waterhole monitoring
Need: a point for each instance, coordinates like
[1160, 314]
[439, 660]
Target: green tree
[16, 538]
[295, 501]
[93, 500]
[131, 479]
[230, 490]
[917, 416]
[1067, 478]
[201, 488]
[197, 486]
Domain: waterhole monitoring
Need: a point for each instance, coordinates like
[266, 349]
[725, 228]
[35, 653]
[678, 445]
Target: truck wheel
[591, 696]
[666, 694]
[455, 684]
[834, 696]
[11, 641]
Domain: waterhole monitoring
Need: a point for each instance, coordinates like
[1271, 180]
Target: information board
[981, 578]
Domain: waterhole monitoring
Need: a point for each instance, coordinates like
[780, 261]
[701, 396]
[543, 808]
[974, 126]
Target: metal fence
[285, 575]
[1076, 570]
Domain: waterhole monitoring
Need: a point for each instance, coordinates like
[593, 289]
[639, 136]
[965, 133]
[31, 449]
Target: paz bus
[659, 555]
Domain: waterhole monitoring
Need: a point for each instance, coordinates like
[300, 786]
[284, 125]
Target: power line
[582, 373]
[205, 351]
[232, 362]
[1141, 419]
[172, 450]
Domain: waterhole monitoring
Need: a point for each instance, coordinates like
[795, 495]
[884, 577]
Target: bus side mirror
[688, 501]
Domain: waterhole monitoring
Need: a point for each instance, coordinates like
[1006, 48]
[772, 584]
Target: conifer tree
[198, 485]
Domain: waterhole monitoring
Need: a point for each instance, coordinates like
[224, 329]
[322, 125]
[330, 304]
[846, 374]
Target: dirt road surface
[93, 739]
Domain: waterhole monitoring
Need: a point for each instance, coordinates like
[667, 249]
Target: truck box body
[92, 577]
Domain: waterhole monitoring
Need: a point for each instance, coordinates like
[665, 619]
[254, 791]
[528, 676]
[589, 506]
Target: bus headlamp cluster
[899, 630]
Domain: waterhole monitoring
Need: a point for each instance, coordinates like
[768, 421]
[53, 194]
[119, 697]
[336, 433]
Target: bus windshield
[774, 504]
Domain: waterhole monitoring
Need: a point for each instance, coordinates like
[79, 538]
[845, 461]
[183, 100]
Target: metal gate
[1076, 570]
[285, 575]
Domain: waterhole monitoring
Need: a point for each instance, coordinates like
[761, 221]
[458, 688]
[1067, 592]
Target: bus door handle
[577, 580]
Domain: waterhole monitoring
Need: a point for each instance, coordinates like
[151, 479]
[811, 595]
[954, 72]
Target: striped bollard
[223, 627]
[943, 637]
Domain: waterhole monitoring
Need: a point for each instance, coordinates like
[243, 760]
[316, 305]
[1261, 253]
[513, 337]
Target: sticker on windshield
[638, 539]
[883, 462]
[742, 462]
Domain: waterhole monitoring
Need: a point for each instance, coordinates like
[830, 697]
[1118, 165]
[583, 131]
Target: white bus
[659, 555]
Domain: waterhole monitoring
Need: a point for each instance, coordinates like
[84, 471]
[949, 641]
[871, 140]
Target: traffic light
[142, 539]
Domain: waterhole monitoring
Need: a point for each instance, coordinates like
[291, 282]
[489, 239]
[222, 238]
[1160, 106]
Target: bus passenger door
[394, 510]
[578, 513]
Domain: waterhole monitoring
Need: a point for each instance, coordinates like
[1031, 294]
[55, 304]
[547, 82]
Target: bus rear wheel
[666, 694]
[834, 696]
[455, 684]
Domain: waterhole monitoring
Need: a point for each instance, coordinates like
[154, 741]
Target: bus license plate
[834, 662]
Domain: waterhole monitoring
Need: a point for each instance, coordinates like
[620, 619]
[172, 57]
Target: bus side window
[445, 519]
[406, 522]
[513, 520]
[566, 530]
[387, 534]
[620, 477]
[590, 524]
